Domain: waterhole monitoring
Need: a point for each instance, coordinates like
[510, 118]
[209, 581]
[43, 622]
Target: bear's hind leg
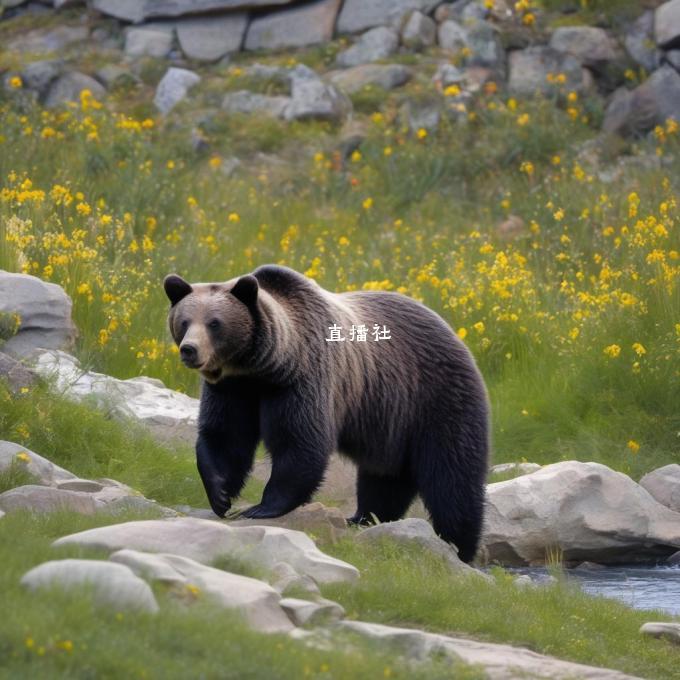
[388, 498]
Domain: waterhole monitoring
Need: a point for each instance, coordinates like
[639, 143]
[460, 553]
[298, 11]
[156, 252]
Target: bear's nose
[189, 353]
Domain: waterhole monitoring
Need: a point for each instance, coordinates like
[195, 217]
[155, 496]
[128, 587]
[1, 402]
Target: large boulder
[667, 25]
[70, 87]
[39, 75]
[530, 70]
[664, 484]
[43, 310]
[386, 76]
[112, 585]
[167, 414]
[358, 15]
[419, 31]
[257, 601]
[46, 499]
[312, 99]
[308, 24]
[635, 112]
[150, 40]
[639, 42]
[56, 39]
[451, 36]
[662, 630]
[40, 469]
[205, 541]
[174, 87]
[580, 511]
[378, 43]
[211, 38]
[245, 101]
[591, 46]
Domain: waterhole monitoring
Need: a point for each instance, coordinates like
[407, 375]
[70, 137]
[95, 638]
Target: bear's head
[212, 323]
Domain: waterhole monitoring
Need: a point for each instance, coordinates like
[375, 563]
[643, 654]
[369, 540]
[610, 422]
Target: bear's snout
[189, 355]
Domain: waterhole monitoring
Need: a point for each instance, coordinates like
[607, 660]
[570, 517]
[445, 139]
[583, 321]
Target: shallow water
[639, 587]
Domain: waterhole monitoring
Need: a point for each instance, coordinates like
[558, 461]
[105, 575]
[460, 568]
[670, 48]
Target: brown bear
[407, 404]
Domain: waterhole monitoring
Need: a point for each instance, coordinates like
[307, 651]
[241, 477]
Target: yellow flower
[215, 162]
[84, 289]
[15, 82]
[462, 333]
[343, 241]
[555, 160]
[612, 351]
[527, 167]
[66, 645]
[558, 214]
[234, 217]
[422, 133]
[30, 643]
[523, 119]
[452, 91]
[633, 445]
[387, 151]
[639, 349]
[170, 165]
[356, 156]
[479, 327]
[23, 456]
[529, 19]
[367, 204]
[83, 209]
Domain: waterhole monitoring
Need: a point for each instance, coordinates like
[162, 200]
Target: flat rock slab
[529, 69]
[205, 540]
[386, 76]
[211, 38]
[500, 662]
[113, 585]
[43, 470]
[663, 630]
[259, 603]
[166, 413]
[44, 499]
[585, 510]
[358, 15]
[378, 43]
[43, 310]
[150, 40]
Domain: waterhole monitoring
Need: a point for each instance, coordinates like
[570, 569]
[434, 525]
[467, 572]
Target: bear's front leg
[228, 433]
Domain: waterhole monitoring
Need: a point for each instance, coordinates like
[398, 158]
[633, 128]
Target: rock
[448, 74]
[39, 75]
[591, 46]
[44, 499]
[509, 229]
[69, 88]
[523, 581]
[41, 469]
[2, 514]
[496, 661]
[113, 585]
[112, 76]
[418, 532]
[85, 485]
[451, 36]
[422, 113]
[378, 43]
[586, 511]
[516, 468]
[169, 415]
[137, 11]
[138, 504]
[17, 376]
[664, 484]
[306, 613]
[387, 76]
[664, 630]
[651, 103]
[674, 559]
[530, 68]
[44, 312]
[485, 46]
[667, 25]
[358, 15]
[245, 101]
[672, 58]
[315, 100]
[54, 40]
[173, 88]
[257, 601]
[639, 42]
[211, 38]
[418, 32]
[205, 540]
[284, 578]
[590, 566]
[150, 40]
[308, 24]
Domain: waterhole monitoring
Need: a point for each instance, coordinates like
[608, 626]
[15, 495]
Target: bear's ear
[245, 289]
[176, 288]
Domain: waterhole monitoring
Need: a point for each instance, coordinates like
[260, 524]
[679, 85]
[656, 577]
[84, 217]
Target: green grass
[405, 587]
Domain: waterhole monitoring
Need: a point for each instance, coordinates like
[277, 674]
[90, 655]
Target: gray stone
[258, 602]
[591, 46]
[386, 76]
[245, 101]
[529, 70]
[69, 87]
[419, 31]
[168, 415]
[672, 58]
[651, 103]
[112, 76]
[674, 559]
[44, 312]
[39, 75]
[422, 113]
[485, 46]
[54, 40]
[316, 100]
[173, 88]
[85, 485]
[284, 578]
[44, 471]
[137, 11]
[211, 38]
[664, 484]
[150, 40]
[17, 376]
[639, 42]
[516, 468]
[62, 4]
[451, 36]
[586, 511]
[663, 630]
[417, 532]
[306, 613]
[45, 499]
[113, 585]
[667, 25]
[378, 43]
[473, 11]
[447, 74]
[308, 24]
[138, 504]
[204, 540]
[2, 514]
[499, 662]
[358, 15]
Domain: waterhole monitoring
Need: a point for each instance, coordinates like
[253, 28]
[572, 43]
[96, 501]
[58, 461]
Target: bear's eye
[214, 324]
[184, 325]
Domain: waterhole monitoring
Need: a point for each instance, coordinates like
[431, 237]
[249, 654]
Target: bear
[410, 408]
